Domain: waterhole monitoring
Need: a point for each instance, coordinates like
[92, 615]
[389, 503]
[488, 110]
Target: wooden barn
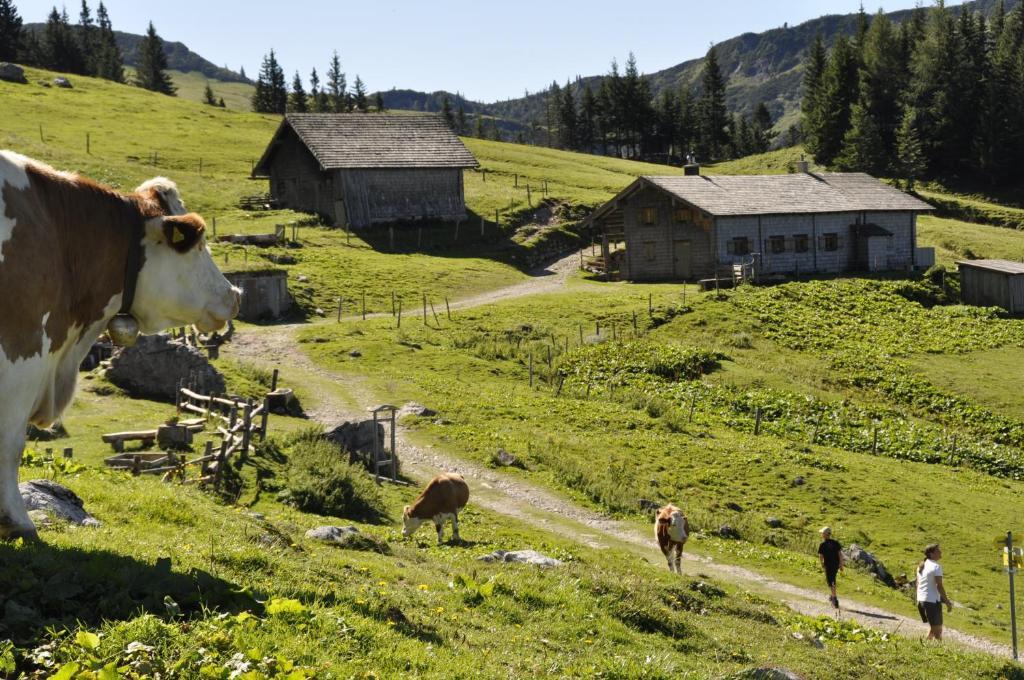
[359, 169]
[992, 283]
[696, 227]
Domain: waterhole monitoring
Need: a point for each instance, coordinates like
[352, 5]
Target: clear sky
[485, 49]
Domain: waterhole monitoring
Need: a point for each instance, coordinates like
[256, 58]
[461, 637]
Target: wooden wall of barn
[390, 194]
[650, 248]
[296, 180]
[987, 288]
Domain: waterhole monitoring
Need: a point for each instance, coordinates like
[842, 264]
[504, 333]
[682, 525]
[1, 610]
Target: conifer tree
[587, 123]
[378, 104]
[151, 73]
[712, 115]
[298, 102]
[87, 39]
[567, 118]
[478, 130]
[221, 104]
[812, 107]
[359, 95]
[761, 129]
[60, 48]
[208, 96]
[911, 162]
[10, 31]
[686, 133]
[838, 93]
[271, 95]
[460, 119]
[317, 98]
[446, 111]
[552, 108]
[336, 86]
[108, 63]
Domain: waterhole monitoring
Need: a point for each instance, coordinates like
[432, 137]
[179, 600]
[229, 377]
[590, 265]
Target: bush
[320, 481]
[741, 340]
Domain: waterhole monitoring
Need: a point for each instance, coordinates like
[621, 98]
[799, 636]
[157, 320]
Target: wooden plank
[122, 436]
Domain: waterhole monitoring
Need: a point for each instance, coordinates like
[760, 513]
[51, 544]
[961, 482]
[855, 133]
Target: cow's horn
[123, 330]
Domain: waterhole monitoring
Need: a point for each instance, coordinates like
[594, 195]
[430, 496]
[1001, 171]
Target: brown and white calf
[69, 249]
[671, 531]
[440, 501]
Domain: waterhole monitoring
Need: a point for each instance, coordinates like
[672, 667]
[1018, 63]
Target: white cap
[825, 530]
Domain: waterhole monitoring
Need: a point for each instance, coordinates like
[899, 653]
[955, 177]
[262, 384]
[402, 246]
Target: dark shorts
[830, 575]
[931, 612]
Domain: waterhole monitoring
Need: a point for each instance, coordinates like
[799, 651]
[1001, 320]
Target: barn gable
[358, 169]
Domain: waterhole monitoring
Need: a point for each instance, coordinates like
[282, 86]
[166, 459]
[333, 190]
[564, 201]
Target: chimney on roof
[803, 166]
[691, 169]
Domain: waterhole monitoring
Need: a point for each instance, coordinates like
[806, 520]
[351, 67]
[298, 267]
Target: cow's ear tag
[178, 236]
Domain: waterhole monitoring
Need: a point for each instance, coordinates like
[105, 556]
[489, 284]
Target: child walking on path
[830, 554]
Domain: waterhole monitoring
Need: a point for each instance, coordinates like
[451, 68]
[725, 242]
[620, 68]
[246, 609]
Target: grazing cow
[444, 496]
[671, 530]
[73, 255]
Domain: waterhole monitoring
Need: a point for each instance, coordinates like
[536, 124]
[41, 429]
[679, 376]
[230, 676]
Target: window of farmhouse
[649, 253]
[830, 241]
[681, 215]
[648, 215]
[739, 246]
[800, 243]
[776, 244]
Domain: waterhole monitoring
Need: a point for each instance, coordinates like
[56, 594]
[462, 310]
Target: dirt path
[337, 397]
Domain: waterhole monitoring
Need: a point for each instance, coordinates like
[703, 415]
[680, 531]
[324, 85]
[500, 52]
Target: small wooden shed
[992, 283]
[359, 169]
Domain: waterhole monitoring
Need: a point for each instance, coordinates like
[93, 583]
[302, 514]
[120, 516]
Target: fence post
[69, 452]
[208, 453]
[529, 200]
[392, 303]
[650, 304]
[246, 429]
[399, 314]
[264, 417]
[364, 305]
[394, 450]
[581, 335]
[448, 309]
[693, 406]
[757, 421]
[221, 459]
[87, 145]
[436, 322]
[340, 301]
[561, 381]
[273, 381]
[424, 309]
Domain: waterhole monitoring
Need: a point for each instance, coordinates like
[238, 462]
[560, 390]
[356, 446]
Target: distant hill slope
[179, 57]
[761, 67]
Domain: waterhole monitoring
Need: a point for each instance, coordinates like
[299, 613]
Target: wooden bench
[117, 439]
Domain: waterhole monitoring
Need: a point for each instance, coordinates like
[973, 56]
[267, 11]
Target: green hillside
[187, 583]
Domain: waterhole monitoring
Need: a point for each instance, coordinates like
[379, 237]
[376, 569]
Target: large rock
[414, 409]
[349, 538]
[12, 73]
[331, 534]
[56, 501]
[62, 82]
[357, 437]
[522, 557]
[860, 557]
[155, 365]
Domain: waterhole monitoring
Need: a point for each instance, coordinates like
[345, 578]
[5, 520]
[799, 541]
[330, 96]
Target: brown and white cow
[68, 249]
[671, 531]
[441, 500]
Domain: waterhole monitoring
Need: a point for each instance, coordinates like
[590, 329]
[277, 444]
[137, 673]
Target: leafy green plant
[319, 480]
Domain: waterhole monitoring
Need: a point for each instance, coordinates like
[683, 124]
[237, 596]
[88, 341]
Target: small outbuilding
[696, 226]
[360, 169]
[992, 283]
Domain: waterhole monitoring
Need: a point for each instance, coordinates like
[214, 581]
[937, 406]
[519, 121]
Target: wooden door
[682, 261]
[340, 215]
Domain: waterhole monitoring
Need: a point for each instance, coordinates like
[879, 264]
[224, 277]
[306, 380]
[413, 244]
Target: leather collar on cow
[123, 328]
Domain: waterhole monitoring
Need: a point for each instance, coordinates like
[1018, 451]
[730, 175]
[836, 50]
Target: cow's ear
[182, 232]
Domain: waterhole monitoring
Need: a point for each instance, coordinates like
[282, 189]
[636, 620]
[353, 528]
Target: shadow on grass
[44, 586]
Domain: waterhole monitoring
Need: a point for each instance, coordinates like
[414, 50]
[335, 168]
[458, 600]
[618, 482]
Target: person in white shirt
[931, 594]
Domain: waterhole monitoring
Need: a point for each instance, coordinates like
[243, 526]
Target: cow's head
[165, 193]
[409, 523]
[677, 526]
[179, 285]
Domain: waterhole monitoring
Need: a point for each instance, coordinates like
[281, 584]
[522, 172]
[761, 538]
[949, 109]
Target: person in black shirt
[830, 554]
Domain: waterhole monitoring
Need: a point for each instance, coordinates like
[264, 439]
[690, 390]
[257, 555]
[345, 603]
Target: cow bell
[123, 330]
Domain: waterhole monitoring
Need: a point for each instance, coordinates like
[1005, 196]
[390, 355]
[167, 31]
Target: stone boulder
[357, 437]
[155, 365]
[765, 673]
[12, 73]
[728, 531]
[522, 557]
[414, 409]
[860, 557]
[349, 538]
[56, 501]
[63, 82]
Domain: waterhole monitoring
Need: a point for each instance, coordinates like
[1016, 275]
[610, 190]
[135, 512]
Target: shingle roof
[378, 140]
[1004, 266]
[787, 194]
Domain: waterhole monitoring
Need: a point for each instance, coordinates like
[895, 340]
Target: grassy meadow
[640, 392]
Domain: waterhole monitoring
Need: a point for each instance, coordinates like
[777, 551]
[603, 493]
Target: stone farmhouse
[360, 169]
[696, 227]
